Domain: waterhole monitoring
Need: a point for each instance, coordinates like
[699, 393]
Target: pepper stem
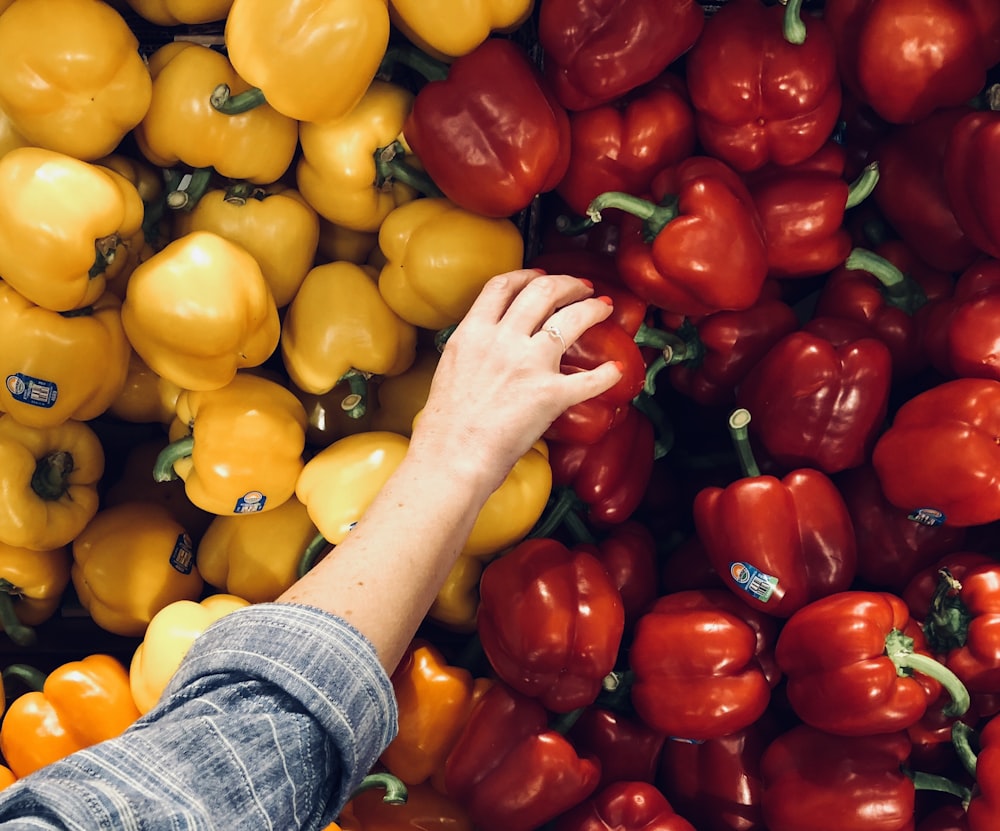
[355, 403]
[565, 501]
[663, 428]
[50, 481]
[317, 545]
[441, 337]
[899, 648]
[898, 289]
[395, 790]
[18, 632]
[578, 529]
[947, 623]
[412, 58]
[739, 421]
[961, 738]
[655, 216]
[239, 193]
[223, 100]
[861, 188]
[163, 467]
[31, 677]
[932, 782]
[573, 226]
[184, 191]
[793, 28]
[563, 723]
[105, 249]
[390, 166]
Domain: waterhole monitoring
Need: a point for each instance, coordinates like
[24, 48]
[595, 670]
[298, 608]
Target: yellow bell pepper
[439, 257]
[73, 79]
[402, 396]
[62, 222]
[274, 223]
[339, 243]
[339, 483]
[238, 448]
[168, 638]
[352, 169]
[456, 605]
[199, 310]
[48, 478]
[446, 29]
[256, 557]
[60, 365]
[178, 12]
[181, 126]
[327, 418]
[31, 588]
[338, 326]
[9, 137]
[129, 562]
[312, 60]
[145, 397]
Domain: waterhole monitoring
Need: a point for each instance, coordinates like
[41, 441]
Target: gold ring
[553, 332]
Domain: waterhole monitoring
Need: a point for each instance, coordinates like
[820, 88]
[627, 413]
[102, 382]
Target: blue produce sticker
[753, 581]
[182, 557]
[927, 516]
[250, 503]
[34, 391]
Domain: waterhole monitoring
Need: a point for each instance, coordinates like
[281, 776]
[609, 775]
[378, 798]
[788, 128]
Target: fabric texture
[276, 714]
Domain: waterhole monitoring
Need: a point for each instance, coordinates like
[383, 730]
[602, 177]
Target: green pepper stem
[932, 782]
[655, 216]
[573, 226]
[899, 648]
[947, 622]
[563, 502]
[961, 738]
[355, 403]
[616, 691]
[663, 428]
[441, 337]
[563, 723]
[861, 188]
[898, 289]
[163, 467]
[578, 529]
[391, 166]
[793, 29]
[31, 677]
[411, 57]
[317, 545]
[50, 481]
[187, 190]
[395, 790]
[18, 632]
[239, 193]
[105, 250]
[223, 100]
[739, 421]
[82, 311]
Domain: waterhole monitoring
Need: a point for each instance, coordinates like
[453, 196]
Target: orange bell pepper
[426, 809]
[75, 706]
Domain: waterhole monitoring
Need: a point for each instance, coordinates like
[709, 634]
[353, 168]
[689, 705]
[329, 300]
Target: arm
[496, 390]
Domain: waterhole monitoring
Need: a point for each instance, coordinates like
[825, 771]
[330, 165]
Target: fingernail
[538, 270]
[620, 365]
[605, 299]
[586, 282]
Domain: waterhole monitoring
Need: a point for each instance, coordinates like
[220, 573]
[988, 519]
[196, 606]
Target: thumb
[580, 386]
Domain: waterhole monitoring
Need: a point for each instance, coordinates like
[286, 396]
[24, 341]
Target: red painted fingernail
[538, 270]
[605, 299]
[621, 367]
[586, 282]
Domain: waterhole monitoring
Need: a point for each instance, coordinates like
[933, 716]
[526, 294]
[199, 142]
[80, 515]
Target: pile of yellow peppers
[219, 318]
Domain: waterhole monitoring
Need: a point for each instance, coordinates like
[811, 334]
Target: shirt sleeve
[275, 715]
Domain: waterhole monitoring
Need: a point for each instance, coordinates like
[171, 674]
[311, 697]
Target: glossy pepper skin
[708, 251]
[971, 185]
[73, 78]
[949, 46]
[31, 588]
[551, 622]
[983, 812]
[283, 50]
[339, 322]
[182, 127]
[167, 639]
[439, 256]
[856, 664]
[79, 704]
[176, 12]
[597, 51]
[199, 310]
[777, 101]
[939, 458]
[49, 478]
[61, 221]
[60, 366]
[625, 806]
[129, 562]
[817, 780]
[701, 663]
[820, 395]
[627, 748]
[510, 770]
[629, 554]
[620, 145]
[243, 445]
[463, 29]
[459, 127]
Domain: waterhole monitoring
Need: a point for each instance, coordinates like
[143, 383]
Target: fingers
[496, 296]
[573, 320]
[580, 386]
[541, 297]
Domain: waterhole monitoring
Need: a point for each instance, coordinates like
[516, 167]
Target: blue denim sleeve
[276, 714]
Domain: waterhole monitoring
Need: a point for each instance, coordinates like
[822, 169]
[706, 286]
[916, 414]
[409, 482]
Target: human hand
[498, 387]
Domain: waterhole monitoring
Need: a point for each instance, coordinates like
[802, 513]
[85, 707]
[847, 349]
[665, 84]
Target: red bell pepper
[627, 748]
[777, 544]
[820, 395]
[972, 177]
[764, 84]
[856, 664]
[596, 51]
[877, 289]
[588, 421]
[939, 460]
[707, 252]
[510, 770]
[622, 144]
[922, 586]
[912, 193]
[551, 622]
[716, 784]
[892, 548]
[624, 806]
[984, 808]
[950, 817]
[701, 664]
[460, 129]
[941, 50]
[629, 555]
